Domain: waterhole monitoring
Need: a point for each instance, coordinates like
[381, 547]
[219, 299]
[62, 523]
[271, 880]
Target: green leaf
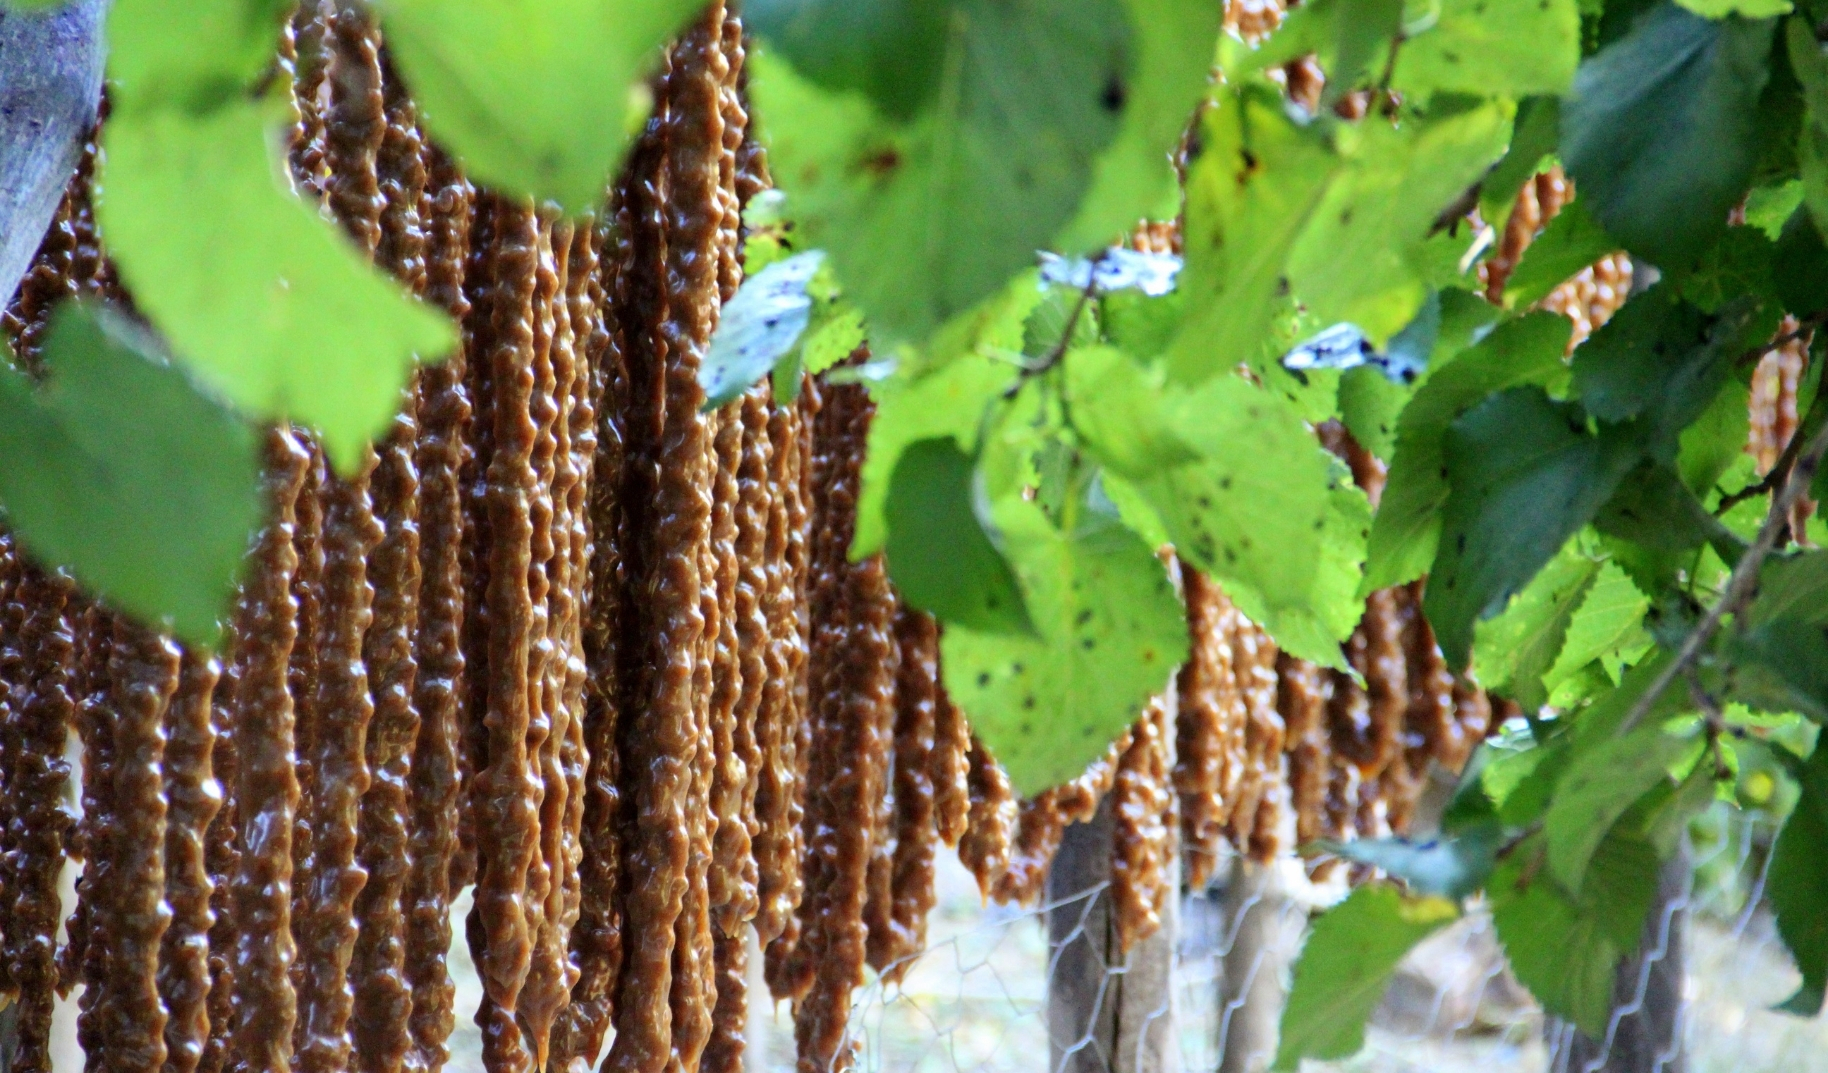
[1508, 50]
[1811, 67]
[1798, 875]
[893, 52]
[1654, 509]
[1346, 966]
[1609, 617]
[942, 560]
[1801, 266]
[1750, 9]
[1563, 954]
[1605, 779]
[1173, 44]
[1141, 325]
[1117, 408]
[121, 470]
[257, 292]
[1792, 587]
[1571, 242]
[1532, 148]
[758, 327]
[192, 56]
[835, 334]
[1110, 632]
[1265, 511]
[1515, 649]
[1361, 259]
[1717, 439]
[1408, 523]
[1740, 263]
[949, 401]
[927, 212]
[1780, 665]
[1768, 208]
[541, 99]
[1621, 880]
[1252, 186]
[1659, 130]
[1619, 373]
[1453, 867]
[1370, 404]
[1524, 475]
[1365, 30]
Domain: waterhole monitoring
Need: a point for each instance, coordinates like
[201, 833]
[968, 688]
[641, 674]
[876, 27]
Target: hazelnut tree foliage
[1595, 540]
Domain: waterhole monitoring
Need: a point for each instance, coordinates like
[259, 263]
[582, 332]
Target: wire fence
[977, 999]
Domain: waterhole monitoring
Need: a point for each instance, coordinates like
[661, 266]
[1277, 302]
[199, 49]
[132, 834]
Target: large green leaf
[1346, 966]
[1252, 186]
[1117, 405]
[1609, 617]
[891, 50]
[121, 470]
[1515, 649]
[1408, 523]
[1658, 364]
[1794, 587]
[1659, 130]
[1571, 242]
[1562, 953]
[1361, 260]
[257, 292]
[1173, 42]
[949, 401]
[190, 56]
[1780, 665]
[1524, 475]
[939, 555]
[1811, 67]
[1511, 50]
[1109, 633]
[1798, 875]
[1266, 512]
[1604, 780]
[927, 212]
[537, 98]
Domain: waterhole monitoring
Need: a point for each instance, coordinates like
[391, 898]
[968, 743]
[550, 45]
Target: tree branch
[1743, 582]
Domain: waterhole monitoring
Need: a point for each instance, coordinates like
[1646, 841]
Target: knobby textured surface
[566, 639]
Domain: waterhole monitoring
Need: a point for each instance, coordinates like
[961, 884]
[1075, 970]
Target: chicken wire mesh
[977, 998]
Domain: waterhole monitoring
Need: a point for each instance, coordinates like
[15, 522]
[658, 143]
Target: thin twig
[1780, 470]
[1806, 326]
[1741, 584]
[1059, 349]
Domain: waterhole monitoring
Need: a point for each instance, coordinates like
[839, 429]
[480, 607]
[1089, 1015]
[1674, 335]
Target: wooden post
[1106, 1013]
[50, 83]
[1644, 1033]
[1262, 920]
